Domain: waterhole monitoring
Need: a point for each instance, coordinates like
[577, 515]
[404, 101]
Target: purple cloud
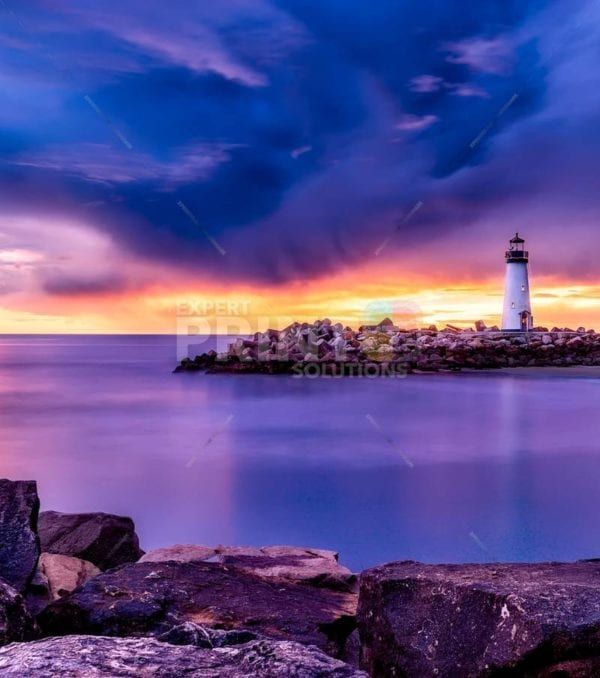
[464, 89]
[301, 150]
[415, 123]
[109, 164]
[59, 284]
[426, 83]
[191, 34]
[280, 79]
[495, 55]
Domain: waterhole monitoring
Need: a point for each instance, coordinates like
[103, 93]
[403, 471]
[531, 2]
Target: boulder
[285, 563]
[190, 633]
[181, 553]
[473, 620]
[480, 326]
[65, 573]
[19, 543]
[101, 656]
[386, 322]
[150, 598]
[55, 577]
[16, 623]
[101, 538]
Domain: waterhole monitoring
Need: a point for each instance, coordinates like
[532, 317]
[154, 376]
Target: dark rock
[386, 322]
[190, 633]
[315, 567]
[37, 593]
[151, 598]
[480, 326]
[133, 657]
[16, 623]
[475, 620]
[101, 538]
[19, 543]
[578, 668]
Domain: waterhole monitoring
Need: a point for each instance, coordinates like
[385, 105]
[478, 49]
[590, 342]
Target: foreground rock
[314, 567]
[101, 656]
[56, 576]
[19, 543]
[16, 623]
[101, 538]
[190, 633]
[325, 348]
[65, 573]
[152, 598]
[472, 620]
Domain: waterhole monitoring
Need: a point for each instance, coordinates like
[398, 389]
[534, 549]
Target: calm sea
[439, 468]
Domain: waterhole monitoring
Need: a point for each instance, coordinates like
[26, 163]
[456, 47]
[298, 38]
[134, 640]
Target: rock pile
[149, 599]
[194, 610]
[280, 611]
[340, 350]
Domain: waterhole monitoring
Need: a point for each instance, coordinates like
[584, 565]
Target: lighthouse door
[524, 320]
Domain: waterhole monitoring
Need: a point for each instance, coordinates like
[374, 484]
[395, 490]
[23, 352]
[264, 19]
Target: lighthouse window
[512, 305]
[522, 288]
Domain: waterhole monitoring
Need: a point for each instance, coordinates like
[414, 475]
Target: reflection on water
[512, 457]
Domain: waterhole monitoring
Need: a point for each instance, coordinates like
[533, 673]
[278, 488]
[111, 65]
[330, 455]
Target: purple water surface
[447, 468]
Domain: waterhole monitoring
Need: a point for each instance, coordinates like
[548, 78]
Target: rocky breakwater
[325, 348]
[183, 610]
[276, 611]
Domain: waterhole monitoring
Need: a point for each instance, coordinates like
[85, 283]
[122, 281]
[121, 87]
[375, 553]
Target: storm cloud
[299, 133]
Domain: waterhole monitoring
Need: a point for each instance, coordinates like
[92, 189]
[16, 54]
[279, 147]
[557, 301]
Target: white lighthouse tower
[517, 305]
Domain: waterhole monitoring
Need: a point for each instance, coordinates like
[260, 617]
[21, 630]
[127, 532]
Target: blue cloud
[297, 132]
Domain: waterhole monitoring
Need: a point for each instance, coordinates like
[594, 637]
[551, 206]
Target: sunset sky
[295, 159]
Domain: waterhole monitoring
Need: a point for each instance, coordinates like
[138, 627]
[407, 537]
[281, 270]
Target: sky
[295, 159]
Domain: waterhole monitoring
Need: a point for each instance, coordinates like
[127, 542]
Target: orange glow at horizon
[352, 297]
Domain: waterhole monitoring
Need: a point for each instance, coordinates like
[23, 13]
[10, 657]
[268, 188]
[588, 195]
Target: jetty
[324, 347]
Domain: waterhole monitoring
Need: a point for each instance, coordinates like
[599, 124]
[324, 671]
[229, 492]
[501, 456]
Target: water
[448, 468]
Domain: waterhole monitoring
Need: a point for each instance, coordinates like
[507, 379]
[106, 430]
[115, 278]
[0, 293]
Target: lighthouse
[516, 315]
